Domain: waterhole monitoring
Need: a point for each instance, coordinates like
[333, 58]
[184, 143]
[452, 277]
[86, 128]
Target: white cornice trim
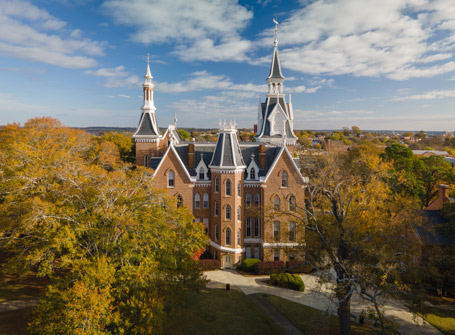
[280, 245]
[225, 170]
[226, 249]
[252, 240]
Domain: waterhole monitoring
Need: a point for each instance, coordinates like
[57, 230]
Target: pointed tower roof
[227, 154]
[275, 67]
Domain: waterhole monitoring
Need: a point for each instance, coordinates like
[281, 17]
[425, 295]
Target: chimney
[443, 196]
[191, 155]
[255, 128]
[262, 156]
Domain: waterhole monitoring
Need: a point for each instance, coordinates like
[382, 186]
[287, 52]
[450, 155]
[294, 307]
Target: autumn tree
[357, 228]
[118, 252]
[124, 143]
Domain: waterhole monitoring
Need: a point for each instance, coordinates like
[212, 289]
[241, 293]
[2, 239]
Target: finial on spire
[148, 74]
[276, 32]
[175, 119]
[148, 58]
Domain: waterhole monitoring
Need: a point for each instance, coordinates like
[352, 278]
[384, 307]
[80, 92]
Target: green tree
[436, 170]
[356, 227]
[118, 253]
[125, 145]
[184, 134]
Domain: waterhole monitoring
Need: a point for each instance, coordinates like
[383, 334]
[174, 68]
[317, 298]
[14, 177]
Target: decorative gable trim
[172, 148]
[256, 170]
[204, 167]
[305, 180]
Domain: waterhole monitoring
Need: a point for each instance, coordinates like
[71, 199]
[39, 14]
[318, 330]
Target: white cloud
[124, 96]
[392, 38]
[431, 95]
[116, 77]
[30, 33]
[201, 29]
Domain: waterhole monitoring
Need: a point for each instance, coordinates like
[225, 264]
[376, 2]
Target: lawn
[311, 321]
[217, 311]
[444, 320]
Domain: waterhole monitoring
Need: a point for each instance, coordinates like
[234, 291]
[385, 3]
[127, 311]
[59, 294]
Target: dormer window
[252, 170]
[201, 174]
[252, 173]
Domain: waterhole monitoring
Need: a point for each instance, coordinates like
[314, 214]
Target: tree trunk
[344, 313]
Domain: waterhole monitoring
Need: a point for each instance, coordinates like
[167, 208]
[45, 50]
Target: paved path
[317, 297]
[17, 304]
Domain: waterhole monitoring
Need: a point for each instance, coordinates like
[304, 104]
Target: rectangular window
[206, 224]
[276, 255]
[291, 231]
[276, 230]
[216, 232]
[256, 227]
[248, 227]
[146, 161]
[205, 200]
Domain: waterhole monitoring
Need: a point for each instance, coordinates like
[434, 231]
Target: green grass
[311, 321]
[217, 311]
[14, 322]
[444, 320]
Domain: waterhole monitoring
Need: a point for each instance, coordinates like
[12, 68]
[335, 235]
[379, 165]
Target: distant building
[237, 190]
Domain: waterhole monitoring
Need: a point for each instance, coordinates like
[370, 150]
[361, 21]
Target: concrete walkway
[13, 305]
[317, 297]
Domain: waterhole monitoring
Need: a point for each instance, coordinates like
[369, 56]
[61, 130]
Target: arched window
[215, 208]
[284, 179]
[256, 199]
[179, 200]
[228, 187]
[238, 237]
[228, 235]
[205, 200]
[239, 213]
[276, 231]
[201, 174]
[216, 232]
[170, 179]
[197, 201]
[276, 203]
[252, 173]
[248, 199]
[292, 203]
[239, 189]
[228, 212]
[217, 185]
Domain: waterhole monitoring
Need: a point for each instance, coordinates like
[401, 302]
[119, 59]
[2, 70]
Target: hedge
[287, 280]
[298, 267]
[209, 264]
[266, 268]
[248, 264]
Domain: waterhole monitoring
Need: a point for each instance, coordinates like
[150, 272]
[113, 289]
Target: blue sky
[377, 64]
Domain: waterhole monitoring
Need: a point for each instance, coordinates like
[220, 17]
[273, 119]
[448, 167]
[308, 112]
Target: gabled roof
[145, 127]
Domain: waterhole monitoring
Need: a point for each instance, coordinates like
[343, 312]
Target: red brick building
[238, 190]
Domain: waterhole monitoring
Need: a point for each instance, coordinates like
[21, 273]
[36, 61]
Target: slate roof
[246, 150]
[432, 231]
[275, 68]
[267, 108]
[227, 152]
[145, 127]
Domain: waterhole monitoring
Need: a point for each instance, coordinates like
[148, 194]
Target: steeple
[275, 115]
[148, 130]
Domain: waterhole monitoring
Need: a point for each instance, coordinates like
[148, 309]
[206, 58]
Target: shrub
[248, 264]
[209, 264]
[266, 268]
[287, 280]
[299, 267]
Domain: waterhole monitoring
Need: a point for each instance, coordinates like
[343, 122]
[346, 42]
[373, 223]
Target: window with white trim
[276, 203]
[292, 204]
[215, 208]
[256, 199]
[201, 174]
[197, 201]
[216, 232]
[239, 189]
[217, 185]
[179, 200]
[205, 200]
[238, 237]
[170, 179]
[228, 235]
[292, 231]
[276, 255]
[248, 199]
[239, 214]
[256, 227]
[252, 173]
[248, 227]
[276, 231]
[284, 179]
[228, 187]
[228, 212]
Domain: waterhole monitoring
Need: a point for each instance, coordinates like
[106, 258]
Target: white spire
[175, 119]
[275, 42]
[148, 75]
